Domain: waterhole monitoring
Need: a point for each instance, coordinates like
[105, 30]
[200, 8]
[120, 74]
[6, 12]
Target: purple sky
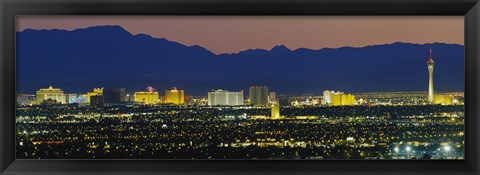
[227, 34]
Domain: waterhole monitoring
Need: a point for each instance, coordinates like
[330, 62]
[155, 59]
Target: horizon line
[238, 52]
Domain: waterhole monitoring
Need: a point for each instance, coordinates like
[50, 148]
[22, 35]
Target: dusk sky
[229, 34]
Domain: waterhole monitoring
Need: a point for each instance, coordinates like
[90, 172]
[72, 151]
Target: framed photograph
[239, 87]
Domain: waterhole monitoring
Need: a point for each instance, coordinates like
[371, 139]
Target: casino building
[341, 99]
[50, 93]
[96, 92]
[174, 96]
[258, 95]
[150, 96]
[275, 110]
[225, 98]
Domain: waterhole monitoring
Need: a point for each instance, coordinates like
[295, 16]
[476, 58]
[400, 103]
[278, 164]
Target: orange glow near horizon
[230, 34]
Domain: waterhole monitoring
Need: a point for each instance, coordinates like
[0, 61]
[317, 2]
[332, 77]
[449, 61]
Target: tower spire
[431, 93]
[431, 54]
[430, 60]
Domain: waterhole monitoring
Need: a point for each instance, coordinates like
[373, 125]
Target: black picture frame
[11, 8]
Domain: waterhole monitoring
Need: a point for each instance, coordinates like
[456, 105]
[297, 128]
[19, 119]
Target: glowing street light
[447, 149]
[408, 151]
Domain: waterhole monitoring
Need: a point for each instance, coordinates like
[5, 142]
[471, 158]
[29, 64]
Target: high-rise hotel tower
[258, 95]
[175, 96]
[430, 63]
[225, 98]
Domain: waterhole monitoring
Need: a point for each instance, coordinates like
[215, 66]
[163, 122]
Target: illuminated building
[80, 99]
[75, 98]
[50, 92]
[67, 98]
[443, 99]
[49, 102]
[430, 63]
[327, 97]
[275, 109]
[96, 101]
[316, 101]
[114, 95]
[272, 97]
[58, 98]
[25, 99]
[96, 91]
[306, 117]
[225, 98]
[258, 95]
[336, 100]
[150, 96]
[341, 99]
[131, 97]
[174, 96]
[350, 99]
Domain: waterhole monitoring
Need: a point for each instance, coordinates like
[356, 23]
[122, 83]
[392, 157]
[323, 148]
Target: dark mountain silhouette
[109, 56]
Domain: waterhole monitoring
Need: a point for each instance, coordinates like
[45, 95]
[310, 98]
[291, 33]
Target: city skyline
[257, 96]
[171, 87]
[309, 71]
[205, 94]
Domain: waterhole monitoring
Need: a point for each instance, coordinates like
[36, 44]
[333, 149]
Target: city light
[446, 148]
[222, 124]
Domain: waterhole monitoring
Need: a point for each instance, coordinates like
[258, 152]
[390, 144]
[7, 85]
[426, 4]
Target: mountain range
[110, 56]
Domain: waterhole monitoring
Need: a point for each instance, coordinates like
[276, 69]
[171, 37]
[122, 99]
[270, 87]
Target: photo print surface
[240, 87]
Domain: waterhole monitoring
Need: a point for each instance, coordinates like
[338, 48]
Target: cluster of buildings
[257, 96]
[100, 96]
[56, 95]
[332, 98]
[444, 99]
[337, 98]
[151, 96]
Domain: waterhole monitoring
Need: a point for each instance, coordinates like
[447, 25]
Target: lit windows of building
[275, 109]
[443, 99]
[225, 98]
[258, 95]
[150, 96]
[50, 92]
[341, 99]
[96, 91]
[25, 99]
[272, 97]
[174, 96]
[77, 98]
[327, 97]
